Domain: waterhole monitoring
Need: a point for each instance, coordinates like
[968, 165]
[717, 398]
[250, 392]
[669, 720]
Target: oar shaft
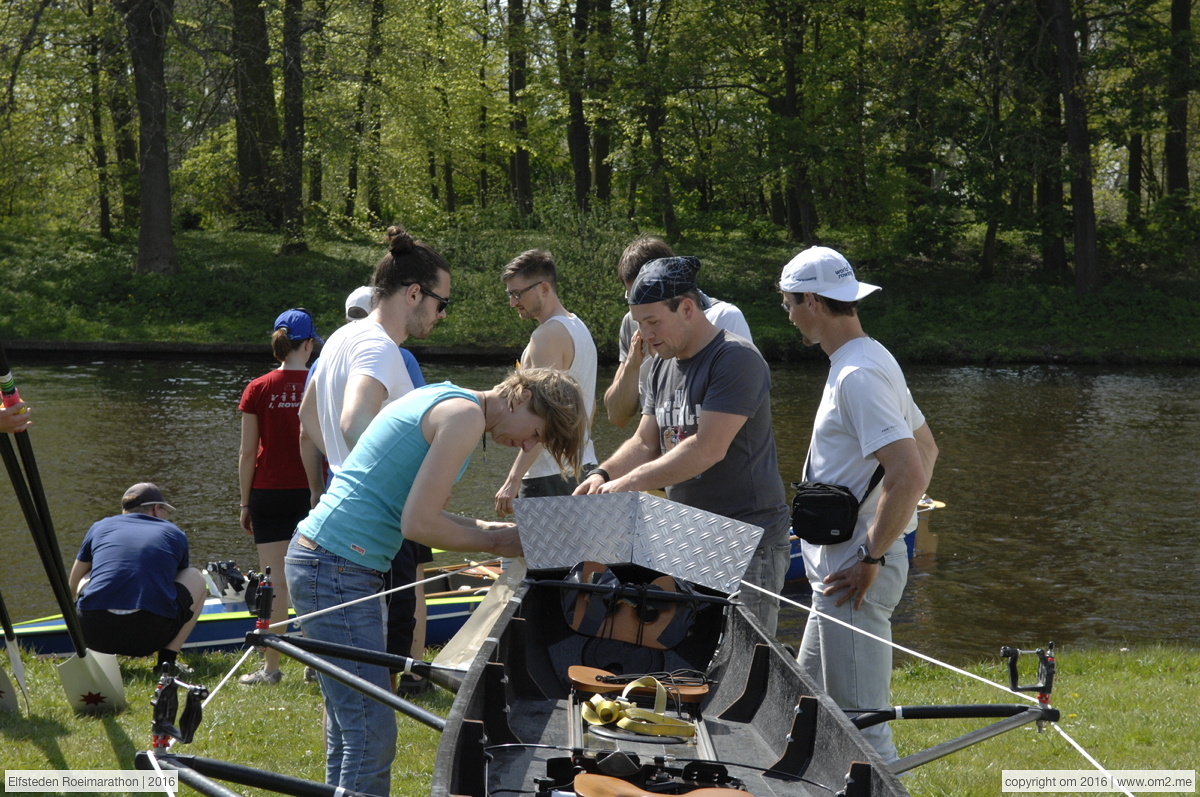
[52, 565]
[6, 621]
[25, 447]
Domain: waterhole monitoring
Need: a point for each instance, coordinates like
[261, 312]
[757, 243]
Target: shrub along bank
[232, 285]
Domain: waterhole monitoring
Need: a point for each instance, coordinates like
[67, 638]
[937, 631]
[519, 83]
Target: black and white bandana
[663, 279]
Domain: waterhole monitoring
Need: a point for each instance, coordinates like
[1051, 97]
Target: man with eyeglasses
[361, 368]
[141, 596]
[561, 340]
[360, 371]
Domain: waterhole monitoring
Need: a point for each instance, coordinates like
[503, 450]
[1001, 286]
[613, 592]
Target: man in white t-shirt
[560, 341]
[361, 368]
[360, 371]
[623, 399]
[867, 420]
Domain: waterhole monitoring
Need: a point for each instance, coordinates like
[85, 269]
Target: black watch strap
[599, 471]
[865, 557]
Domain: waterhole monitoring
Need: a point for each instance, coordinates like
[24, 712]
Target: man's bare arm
[312, 445]
[634, 452]
[623, 398]
[708, 446]
[362, 401]
[905, 480]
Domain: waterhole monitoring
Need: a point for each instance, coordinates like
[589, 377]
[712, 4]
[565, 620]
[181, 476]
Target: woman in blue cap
[274, 488]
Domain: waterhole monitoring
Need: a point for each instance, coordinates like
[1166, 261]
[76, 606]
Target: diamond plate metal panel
[684, 542]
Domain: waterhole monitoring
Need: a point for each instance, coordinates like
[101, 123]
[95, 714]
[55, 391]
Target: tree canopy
[914, 128]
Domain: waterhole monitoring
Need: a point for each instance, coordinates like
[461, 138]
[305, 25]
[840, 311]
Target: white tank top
[583, 369]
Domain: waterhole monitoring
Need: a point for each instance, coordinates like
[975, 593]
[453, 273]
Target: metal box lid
[681, 541]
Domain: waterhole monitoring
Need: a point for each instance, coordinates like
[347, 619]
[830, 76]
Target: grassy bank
[232, 285]
[1128, 708]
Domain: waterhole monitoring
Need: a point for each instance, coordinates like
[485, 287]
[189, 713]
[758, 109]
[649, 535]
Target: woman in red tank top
[274, 488]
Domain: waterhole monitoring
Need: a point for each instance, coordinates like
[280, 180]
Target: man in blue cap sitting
[142, 596]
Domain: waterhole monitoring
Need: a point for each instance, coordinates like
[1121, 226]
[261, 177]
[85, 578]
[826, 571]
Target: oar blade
[8, 695]
[18, 667]
[93, 683]
[460, 651]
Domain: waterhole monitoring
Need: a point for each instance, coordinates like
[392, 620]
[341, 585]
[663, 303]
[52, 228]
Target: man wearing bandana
[705, 430]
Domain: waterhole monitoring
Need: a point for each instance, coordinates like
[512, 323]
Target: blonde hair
[554, 396]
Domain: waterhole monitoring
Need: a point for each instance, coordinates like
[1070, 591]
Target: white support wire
[300, 617]
[290, 620]
[950, 667]
[158, 769]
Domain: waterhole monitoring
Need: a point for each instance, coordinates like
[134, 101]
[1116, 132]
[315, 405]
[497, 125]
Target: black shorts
[139, 634]
[276, 513]
[402, 606]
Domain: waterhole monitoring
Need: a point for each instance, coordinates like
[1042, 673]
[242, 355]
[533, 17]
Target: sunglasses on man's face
[443, 302]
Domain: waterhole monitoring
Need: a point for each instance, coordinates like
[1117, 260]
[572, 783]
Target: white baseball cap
[359, 301]
[825, 272]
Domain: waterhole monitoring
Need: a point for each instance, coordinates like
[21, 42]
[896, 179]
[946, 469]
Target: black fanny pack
[825, 514]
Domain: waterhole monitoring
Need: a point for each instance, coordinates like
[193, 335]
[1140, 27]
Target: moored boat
[225, 619]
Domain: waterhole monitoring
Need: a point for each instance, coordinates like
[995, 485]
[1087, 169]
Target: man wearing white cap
[142, 596]
[867, 421]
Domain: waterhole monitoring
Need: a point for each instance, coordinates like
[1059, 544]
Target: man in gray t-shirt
[705, 430]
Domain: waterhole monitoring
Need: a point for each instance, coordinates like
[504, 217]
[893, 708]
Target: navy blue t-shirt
[135, 559]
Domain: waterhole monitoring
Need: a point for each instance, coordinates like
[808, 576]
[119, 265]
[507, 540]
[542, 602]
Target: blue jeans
[360, 738]
[856, 670]
[767, 569]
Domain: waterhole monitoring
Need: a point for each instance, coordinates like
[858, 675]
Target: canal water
[1072, 502]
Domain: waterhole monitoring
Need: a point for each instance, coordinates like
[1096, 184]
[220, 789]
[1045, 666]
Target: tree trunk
[483, 112]
[1087, 255]
[1133, 184]
[602, 128]
[125, 143]
[578, 135]
[315, 89]
[98, 149]
[257, 120]
[374, 179]
[1179, 82]
[656, 34]
[361, 107]
[519, 177]
[147, 22]
[293, 129]
[1050, 200]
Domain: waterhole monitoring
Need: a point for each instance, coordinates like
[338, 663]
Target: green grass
[232, 285]
[1131, 709]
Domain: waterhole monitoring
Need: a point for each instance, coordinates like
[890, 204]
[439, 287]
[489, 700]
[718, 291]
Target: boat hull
[223, 624]
[760, 713]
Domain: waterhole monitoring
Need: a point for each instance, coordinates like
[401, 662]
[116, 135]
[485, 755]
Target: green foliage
[232, 284]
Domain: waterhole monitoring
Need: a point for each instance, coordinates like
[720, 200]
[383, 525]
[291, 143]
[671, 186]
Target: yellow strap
[600, 710]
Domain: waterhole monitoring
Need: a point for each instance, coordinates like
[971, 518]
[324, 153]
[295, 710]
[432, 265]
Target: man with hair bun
[705, 432]
[361, 370]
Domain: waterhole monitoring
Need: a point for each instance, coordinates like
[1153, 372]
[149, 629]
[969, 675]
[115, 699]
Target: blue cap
[299, 325]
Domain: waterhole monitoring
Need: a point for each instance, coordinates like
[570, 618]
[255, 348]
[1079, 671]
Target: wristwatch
[865, 557]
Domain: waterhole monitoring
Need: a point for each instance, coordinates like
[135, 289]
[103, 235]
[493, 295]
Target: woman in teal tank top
[418, 447]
